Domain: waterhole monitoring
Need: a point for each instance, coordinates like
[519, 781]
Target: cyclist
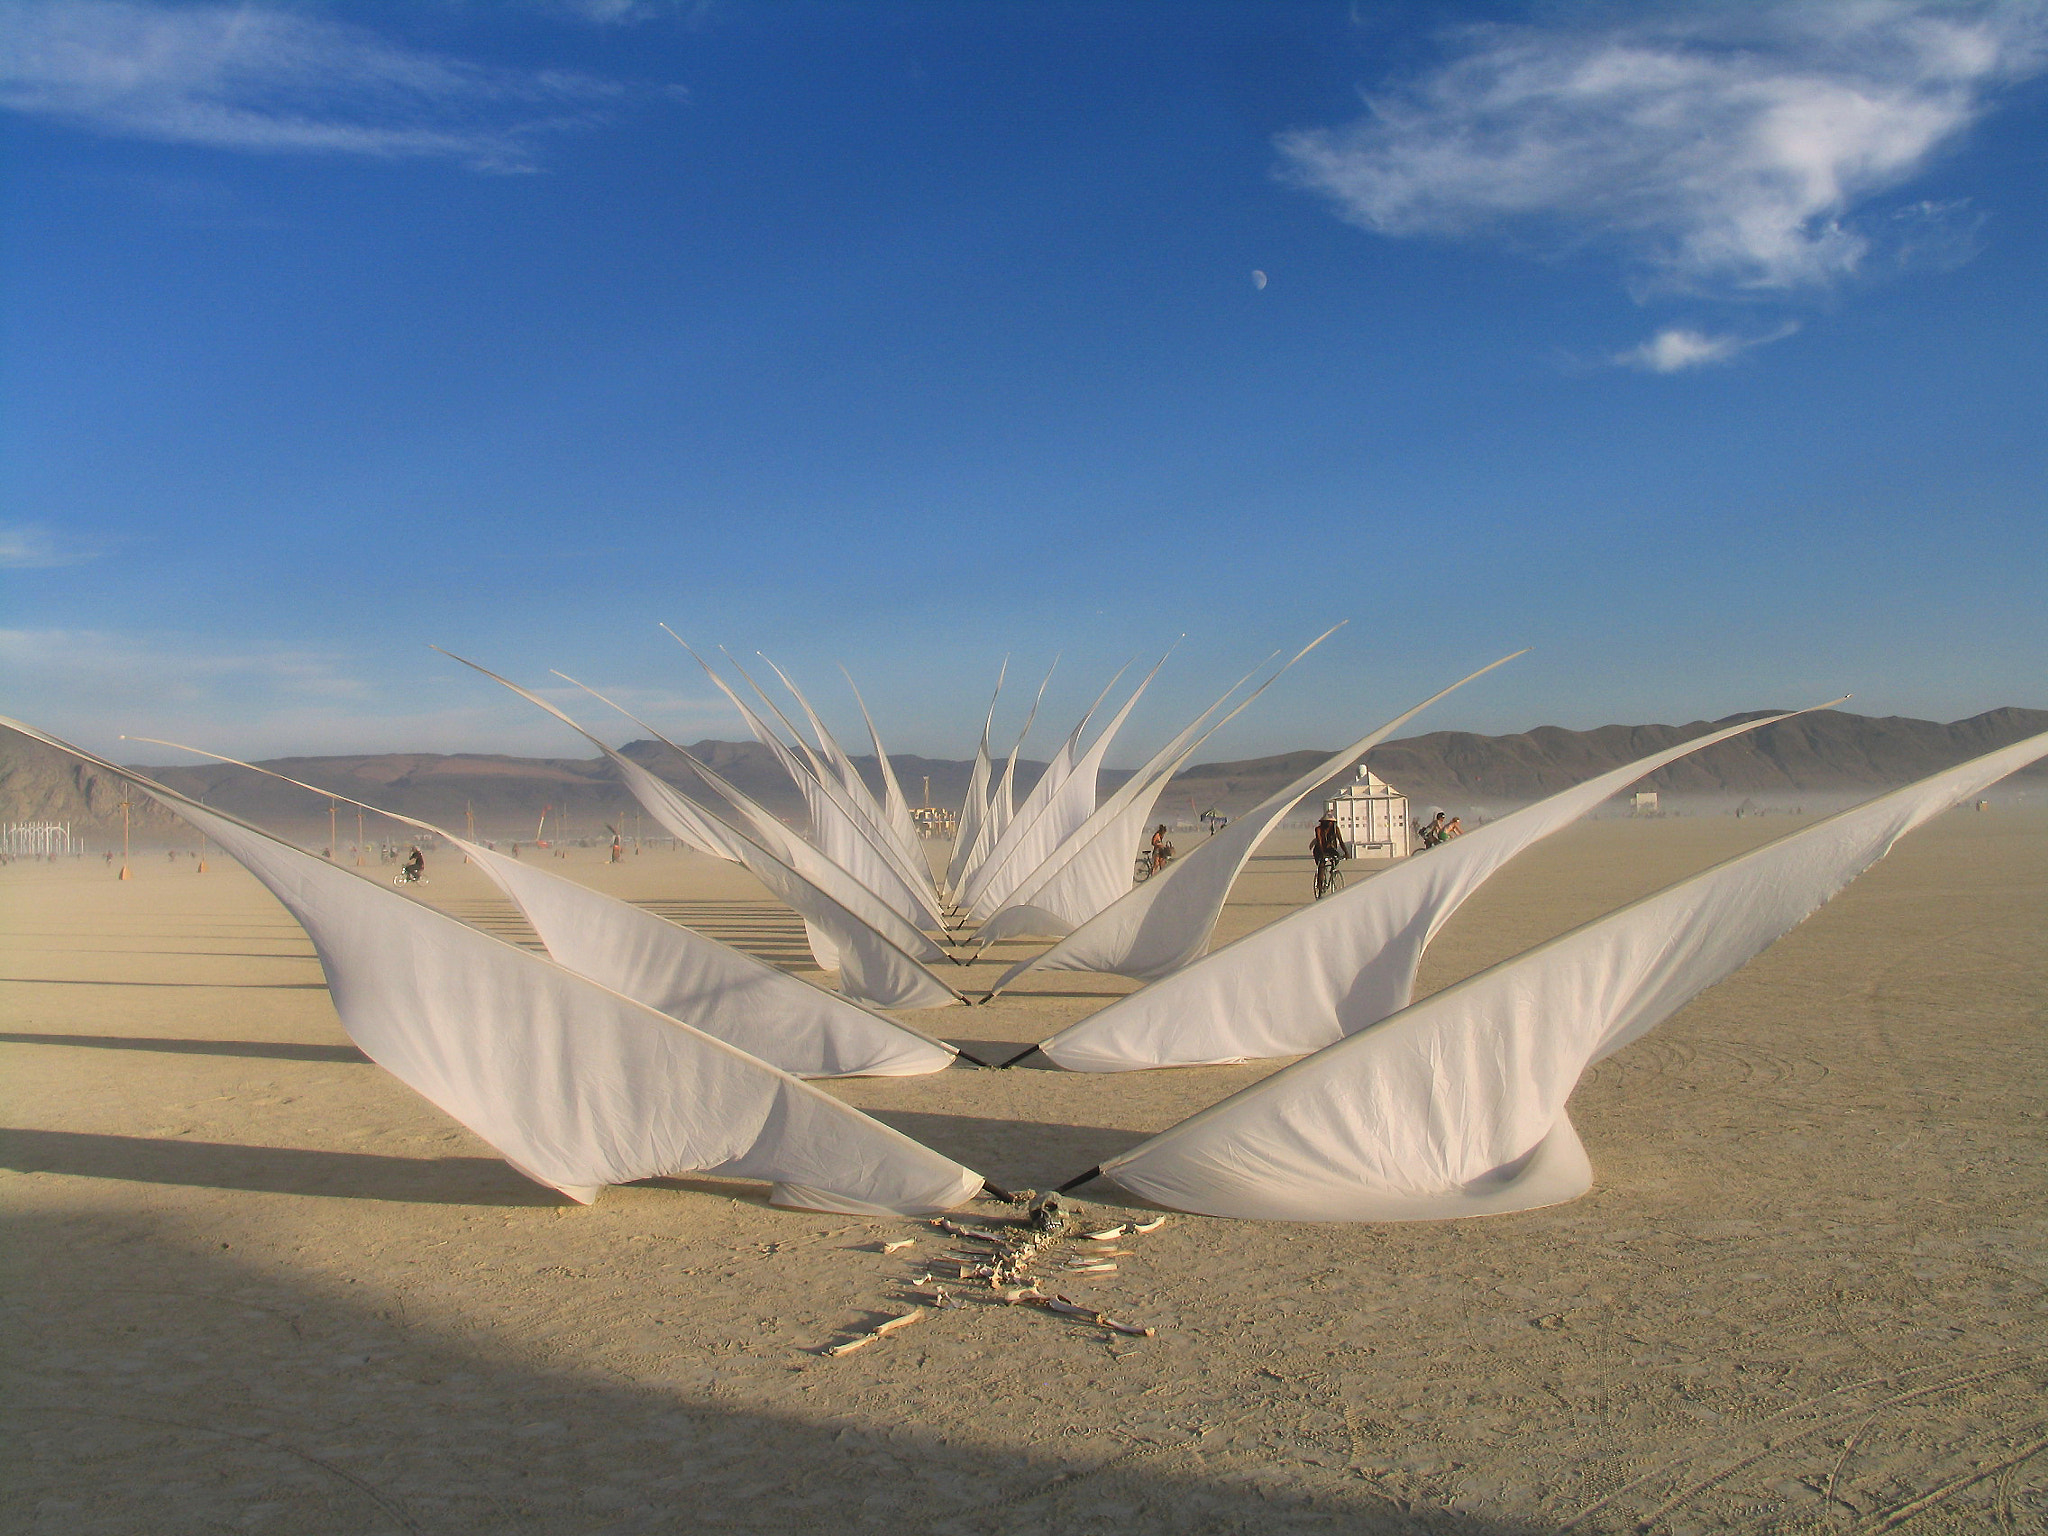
[414, 867]
[1326, 847]
[1162, 850]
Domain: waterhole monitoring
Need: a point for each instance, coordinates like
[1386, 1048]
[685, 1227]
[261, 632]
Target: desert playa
[256, 1284]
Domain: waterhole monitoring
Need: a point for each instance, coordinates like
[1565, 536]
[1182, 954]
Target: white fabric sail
[895, 804]
[879, 822]
[730, 995]
[1002, 802]
[1456, 1106]
[840, 829]
[574, 1085]
[766, 829]
[1094, 867]
[873, 967]
[1334, 968]
[1057, 807]
[1156, 928]
[974, 808]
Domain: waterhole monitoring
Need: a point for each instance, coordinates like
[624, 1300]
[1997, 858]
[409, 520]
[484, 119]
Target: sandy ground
[255, 1284]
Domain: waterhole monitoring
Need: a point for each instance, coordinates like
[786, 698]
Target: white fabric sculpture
[1329, 970]
[859, 936]
[1059, 804]
[874, 816]
[974, 807]
[1456, 1106]
[574, 1085]
[895, 804]
[1156, 928]
[1092, 868]
[841, 829]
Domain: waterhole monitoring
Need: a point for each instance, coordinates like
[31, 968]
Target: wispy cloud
[258, 700]
[250, 78]
[1721, 150]
[32, 547]
[1676, 348]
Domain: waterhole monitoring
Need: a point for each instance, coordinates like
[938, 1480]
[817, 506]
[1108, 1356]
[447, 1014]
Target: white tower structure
[1372, 817]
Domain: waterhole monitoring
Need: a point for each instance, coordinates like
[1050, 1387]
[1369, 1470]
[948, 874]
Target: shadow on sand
[167, 1388]
[272, 1170]
[264, 1050]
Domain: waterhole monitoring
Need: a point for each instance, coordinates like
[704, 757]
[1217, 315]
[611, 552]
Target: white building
[1646, 802]
[1372, 817]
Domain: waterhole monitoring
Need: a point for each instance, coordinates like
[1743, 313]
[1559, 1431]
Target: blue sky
[1700, 348]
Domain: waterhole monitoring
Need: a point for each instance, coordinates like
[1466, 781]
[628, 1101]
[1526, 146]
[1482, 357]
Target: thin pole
[333, 834]
[359, 839]
[124, 839]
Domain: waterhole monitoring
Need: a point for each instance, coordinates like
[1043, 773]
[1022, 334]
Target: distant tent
[574, 1085]
[730, 995]
[1331, 969]
[1456, 1106]
[1156, 928]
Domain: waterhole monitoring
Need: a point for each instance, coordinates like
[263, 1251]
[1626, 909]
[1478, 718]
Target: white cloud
[1676, 348]
[1724, 149]
[249, 78]
[30, 547]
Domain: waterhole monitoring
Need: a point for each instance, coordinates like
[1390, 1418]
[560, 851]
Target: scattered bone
[1149, 1226]
[1107, 1234]
[1102, 1267]
[899, 1245]
[862, 1341]
[1023, 1294]
[978, 1234]
[1067, 1307]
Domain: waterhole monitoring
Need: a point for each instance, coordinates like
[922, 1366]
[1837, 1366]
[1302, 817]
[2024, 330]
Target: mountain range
[1822, 758]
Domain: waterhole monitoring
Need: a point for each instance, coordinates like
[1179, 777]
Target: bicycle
[1329, 879]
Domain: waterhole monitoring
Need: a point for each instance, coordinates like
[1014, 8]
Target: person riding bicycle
[1326, 847]
[415, 866]
[1162, 850]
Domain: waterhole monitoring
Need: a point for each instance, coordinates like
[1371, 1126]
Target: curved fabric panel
[730, 995]
[1331, 969]
[873, 816]
[895, 804]
[1156, 928]
[1002, 801]
[1455, 1106]
[576, 1086]
[839, 830]
[1093, 867]
[974, 808]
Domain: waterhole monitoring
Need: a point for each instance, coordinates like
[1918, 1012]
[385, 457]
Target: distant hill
[1829, 755]
[1824, 757]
